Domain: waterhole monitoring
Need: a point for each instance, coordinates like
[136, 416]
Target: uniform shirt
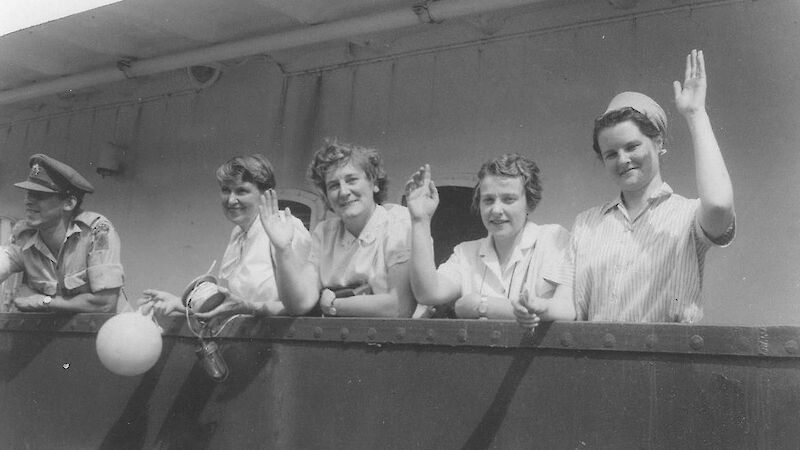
[541, 253]
[344, 260]
[89, 260]
[247, 265]
[643, 269]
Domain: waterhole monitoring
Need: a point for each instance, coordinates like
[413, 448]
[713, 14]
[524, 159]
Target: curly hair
[335, 154]
[254, 169]
[511, 165]
[616, 117]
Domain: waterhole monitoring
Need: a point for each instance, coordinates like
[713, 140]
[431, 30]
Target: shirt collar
[370, 232]
[530, 233]
[663, 192]
[251, 231]
[30, 242]
[72, 229]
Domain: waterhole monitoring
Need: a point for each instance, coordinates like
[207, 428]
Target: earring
[662, 152]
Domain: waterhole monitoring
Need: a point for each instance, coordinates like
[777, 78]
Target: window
[454, 221]
[306, 206]
[299, 210]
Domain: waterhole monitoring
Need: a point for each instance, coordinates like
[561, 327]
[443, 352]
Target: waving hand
[691, 97]
[276, 223]
[421, 194]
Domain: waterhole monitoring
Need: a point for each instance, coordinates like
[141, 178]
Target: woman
[639, 258]
[247, 273]
[359, 257]
[518, 263]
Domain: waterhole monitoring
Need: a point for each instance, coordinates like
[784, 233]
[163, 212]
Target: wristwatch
[46, 300]
[483, 308]
[331, 309]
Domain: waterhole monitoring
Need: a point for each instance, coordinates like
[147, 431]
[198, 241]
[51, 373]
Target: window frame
[307, 198]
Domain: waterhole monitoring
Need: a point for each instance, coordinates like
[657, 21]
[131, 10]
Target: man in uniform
[70, 258]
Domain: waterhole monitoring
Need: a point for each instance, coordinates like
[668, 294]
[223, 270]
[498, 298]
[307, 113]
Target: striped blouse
[645, 269]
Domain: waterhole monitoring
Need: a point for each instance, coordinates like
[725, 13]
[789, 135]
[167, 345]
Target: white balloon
[129, 343]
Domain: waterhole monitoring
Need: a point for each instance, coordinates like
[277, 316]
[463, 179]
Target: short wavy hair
[334, 154]
[254, 169]
[511, 165]
[618, 116]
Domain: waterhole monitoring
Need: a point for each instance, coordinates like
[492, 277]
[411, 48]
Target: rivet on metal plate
[609, 340]
[566, 340]
[651, 341]
[496, 334]
[430, 335]
[400, 333]
[372, 333]
[696, 342]
[317, 332]
[344, 333]
[462, 335]
[791, 347]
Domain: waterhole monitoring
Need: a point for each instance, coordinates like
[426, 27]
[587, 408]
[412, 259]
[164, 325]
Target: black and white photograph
[399, 224]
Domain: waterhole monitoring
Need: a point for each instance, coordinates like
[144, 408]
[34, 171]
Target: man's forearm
[101, 302]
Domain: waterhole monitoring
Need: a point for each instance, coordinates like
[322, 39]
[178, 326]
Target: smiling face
[630, 157]
[350, 193]
[503, 206]
[239, 201]
[44, 209]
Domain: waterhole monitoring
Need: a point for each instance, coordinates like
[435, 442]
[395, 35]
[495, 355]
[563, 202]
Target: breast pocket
[76, 282]
[544, 288]
[46, 287]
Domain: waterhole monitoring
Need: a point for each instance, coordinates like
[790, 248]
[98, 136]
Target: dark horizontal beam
[771, 341]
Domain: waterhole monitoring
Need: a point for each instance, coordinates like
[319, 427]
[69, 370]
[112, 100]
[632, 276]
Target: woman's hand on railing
[528, 310]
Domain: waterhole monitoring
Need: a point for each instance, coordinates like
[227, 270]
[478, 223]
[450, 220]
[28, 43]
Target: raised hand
[421, 195]
[276, 223]
[691, 97]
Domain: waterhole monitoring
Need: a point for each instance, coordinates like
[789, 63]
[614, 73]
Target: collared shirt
[89, 260]
[247, 265]
[539, 260]
[344, 260]
[643, 269]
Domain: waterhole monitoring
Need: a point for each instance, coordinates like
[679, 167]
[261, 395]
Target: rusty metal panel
[427, 384]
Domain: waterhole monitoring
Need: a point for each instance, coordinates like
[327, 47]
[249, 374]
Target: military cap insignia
[50, 175]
